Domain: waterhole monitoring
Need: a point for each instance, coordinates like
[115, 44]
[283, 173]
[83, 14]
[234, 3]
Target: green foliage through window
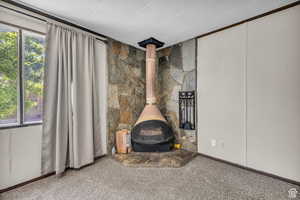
[33, 72]
[8, 75]
[33, 69]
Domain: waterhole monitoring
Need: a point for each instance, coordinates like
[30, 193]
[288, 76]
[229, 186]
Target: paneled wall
[221, 99]
[20, 155]
[273, 94]
[249, 96]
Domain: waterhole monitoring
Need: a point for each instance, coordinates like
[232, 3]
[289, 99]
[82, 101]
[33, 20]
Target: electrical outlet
[213, 142]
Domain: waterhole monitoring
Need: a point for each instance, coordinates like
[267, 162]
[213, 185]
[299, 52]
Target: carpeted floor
[202, 178]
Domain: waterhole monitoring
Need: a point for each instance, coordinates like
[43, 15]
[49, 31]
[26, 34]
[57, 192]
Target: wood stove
[151, 132]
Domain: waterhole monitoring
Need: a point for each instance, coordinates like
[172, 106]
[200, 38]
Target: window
[21, 76]
[33, 71]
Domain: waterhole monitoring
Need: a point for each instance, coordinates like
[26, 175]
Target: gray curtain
[71, 121]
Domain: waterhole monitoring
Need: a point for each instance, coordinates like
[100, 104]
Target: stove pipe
[150, 112]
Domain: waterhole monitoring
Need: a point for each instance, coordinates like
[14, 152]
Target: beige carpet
[202, 178]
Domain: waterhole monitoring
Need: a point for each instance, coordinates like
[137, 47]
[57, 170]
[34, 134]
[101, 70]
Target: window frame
[20, 79]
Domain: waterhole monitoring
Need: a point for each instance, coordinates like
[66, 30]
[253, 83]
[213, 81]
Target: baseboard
[253, 170]
[204, 155]
[44, 176]
[27, 182]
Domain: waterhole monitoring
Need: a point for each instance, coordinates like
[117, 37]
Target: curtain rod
[48, 16]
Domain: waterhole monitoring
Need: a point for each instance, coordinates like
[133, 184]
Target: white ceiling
[170, 21]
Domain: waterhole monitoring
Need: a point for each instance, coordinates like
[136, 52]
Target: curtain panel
[71, 131]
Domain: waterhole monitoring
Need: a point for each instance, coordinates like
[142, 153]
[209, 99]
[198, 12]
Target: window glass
[8, 75]
[33, 72]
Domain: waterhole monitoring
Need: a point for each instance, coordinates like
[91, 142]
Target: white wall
[273, 94]
[268, 81]
[20, 155]
[221, 66]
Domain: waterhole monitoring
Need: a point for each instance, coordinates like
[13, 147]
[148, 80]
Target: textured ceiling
[170, 21]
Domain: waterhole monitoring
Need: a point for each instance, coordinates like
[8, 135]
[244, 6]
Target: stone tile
[124, 103]
[140, 55]
[124, 52]
[177, 74]
[137, 72]
[176, 57]
[116, 47]
[125, 117]
[124, 126]
[166, 51]
[189, 82]
[175, 93]
[116, 74]
[172, 106]
[189, 55]
[188, 145]
[126, 78]
[113, 118]
[172, 159]
[163, 62]
[113, 96]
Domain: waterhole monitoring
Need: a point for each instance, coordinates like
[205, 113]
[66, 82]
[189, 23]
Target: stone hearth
[172, 159]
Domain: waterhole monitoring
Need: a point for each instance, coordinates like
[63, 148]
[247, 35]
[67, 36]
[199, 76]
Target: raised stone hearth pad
[172, 159]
